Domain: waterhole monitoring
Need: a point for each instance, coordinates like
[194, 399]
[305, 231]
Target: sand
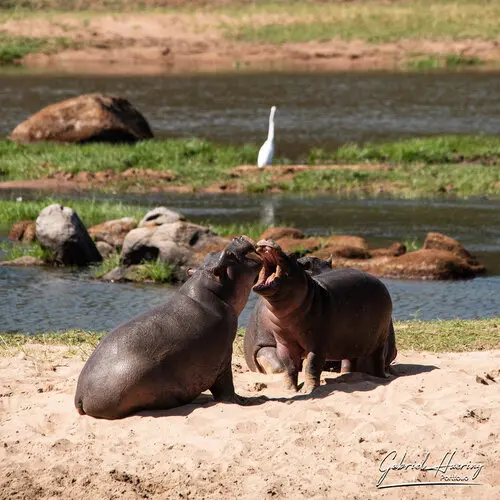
[331, 445]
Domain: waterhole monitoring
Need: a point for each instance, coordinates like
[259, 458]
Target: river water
[314, 109]
[34, 300]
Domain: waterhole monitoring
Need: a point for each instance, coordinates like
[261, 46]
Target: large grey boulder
[159, 216]
[176, 243]
[87, 118]
[60, 230]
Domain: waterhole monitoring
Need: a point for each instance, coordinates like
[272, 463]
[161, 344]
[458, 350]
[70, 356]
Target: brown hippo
[342, 315]
[260, 344]
[168, 356]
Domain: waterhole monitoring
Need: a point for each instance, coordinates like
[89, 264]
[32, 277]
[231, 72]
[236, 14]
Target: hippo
[260, 344]
[168, 356]
[339, 315]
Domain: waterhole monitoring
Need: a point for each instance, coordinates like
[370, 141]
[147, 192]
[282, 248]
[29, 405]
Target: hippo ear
[305, 265]
[190, 271]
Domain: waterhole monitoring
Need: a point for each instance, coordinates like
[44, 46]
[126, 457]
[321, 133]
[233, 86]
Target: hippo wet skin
[170, 355]
[260, 344]
[339, 315]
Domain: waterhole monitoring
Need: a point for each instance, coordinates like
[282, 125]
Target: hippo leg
[312, 372]
[268, 361]
[223, 388]
[290, 356]
[374, 364]
[346, 366]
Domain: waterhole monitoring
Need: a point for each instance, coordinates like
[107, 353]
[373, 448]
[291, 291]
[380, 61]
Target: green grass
[195, 162]
[90, 211]
[251, 229]
[373, 22]
[15, 250]
[449, 61]
[157, 271]
[14, 48]
[462, 165]
[435, 336]
[448, 336]
[104, 267]
[440, 149]
[412, 245]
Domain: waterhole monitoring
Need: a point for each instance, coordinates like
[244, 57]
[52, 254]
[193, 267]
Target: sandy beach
[339, 443]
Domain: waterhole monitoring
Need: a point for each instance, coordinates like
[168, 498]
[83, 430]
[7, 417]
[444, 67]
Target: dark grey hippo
[168, 356]
[260, 344]
[340, 315]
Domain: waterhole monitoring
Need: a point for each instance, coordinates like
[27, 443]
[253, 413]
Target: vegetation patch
[90, 211]
[480, 149]
[449, 61]
[371, 21]
[105, 266]
[16, 250]
[251, 229]
[193, 162]
[157, 271]
[14, 48]
[418, 167]
[434, 336]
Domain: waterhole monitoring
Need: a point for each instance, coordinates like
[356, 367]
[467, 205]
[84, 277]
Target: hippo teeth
[270, 279]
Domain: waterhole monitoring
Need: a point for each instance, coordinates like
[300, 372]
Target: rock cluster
[164, 235]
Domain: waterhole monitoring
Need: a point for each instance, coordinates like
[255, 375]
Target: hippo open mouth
[271, 271]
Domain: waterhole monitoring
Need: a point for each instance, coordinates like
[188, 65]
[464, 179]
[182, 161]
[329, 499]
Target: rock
[299, 246]
[121, 273]
[343, 251]
[24, 230]
[394, 250]
[159, 216]
[339, 240]
[105, 249]
[26, 260]
[420, 264]
[438, 241]
[175, 243]
[87, 118]
[60, 230]
[137, 246]
[275, 233]
[113, 232]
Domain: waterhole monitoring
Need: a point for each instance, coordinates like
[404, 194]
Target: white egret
[266, 151]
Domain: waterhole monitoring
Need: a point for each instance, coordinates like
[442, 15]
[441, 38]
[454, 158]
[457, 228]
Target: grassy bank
[13, 48]
[461, 165]
[193, 162]
[90, 211]
[271, 22]
[276, 22]
[93, 212]
[373, 22]
[435, 336]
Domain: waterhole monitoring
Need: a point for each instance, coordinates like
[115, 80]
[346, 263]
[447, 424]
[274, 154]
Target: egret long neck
[270, 134]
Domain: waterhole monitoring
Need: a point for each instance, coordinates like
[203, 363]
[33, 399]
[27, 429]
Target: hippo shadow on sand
[358, 381]
[346, 382]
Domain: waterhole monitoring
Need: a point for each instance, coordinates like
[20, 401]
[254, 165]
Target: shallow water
[314, 109]
[34, 300]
